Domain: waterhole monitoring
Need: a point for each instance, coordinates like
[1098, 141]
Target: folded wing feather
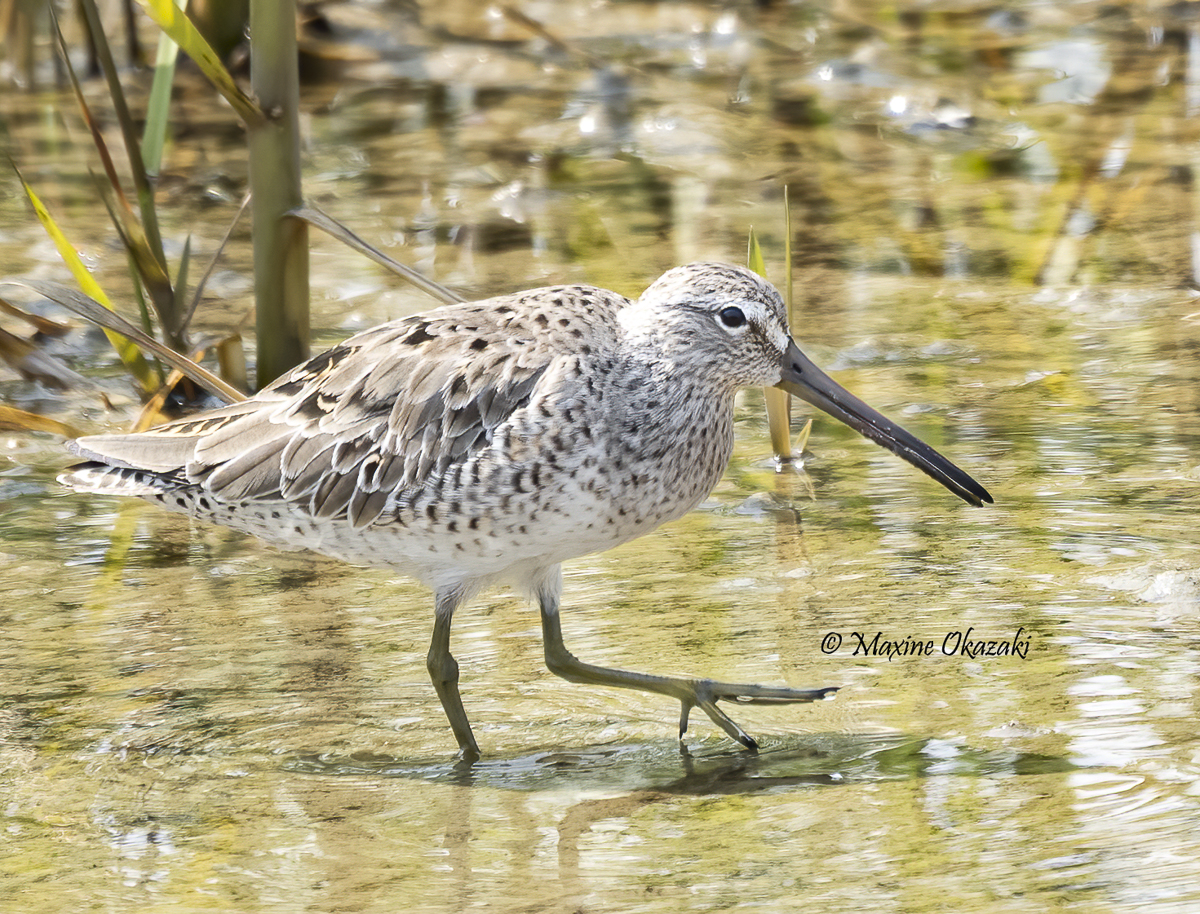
[379, 414]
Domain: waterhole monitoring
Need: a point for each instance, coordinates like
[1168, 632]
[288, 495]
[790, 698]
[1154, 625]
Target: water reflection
[262, 736]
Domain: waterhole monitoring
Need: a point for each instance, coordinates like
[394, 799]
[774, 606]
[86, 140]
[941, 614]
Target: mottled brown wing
[378, 415]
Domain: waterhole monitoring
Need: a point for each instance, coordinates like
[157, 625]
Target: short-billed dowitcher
[488, 442]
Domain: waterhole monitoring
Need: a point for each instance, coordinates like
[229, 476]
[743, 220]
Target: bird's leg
[691, 693]
[443, 670]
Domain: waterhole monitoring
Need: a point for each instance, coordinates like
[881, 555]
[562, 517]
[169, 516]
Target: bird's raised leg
[443, 670]
[691, 693]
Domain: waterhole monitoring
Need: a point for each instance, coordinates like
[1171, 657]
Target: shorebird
[488, 442]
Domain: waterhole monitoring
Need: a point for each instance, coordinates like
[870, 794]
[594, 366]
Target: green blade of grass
[141, 239]
[172, 20]
[181, 276]
[788, 298]
[141, 180]
[778, 402]
[148, 272]
[110, 169]
[801, 441]
[181, 281]
[754, 256]
[159, 104]
[126, 350]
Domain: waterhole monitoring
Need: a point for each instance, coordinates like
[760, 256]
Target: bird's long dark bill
[805, 380]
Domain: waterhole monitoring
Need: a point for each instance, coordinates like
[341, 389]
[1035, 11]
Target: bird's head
[729, 325]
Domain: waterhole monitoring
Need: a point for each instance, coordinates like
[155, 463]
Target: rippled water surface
[993, 231]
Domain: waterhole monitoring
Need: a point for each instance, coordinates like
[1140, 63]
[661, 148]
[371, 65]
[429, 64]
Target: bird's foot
[705, 693]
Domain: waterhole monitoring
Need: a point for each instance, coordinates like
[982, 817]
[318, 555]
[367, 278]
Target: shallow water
[192, 720]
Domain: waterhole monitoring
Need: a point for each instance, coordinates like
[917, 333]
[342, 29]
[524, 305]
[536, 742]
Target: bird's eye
[732, 317]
